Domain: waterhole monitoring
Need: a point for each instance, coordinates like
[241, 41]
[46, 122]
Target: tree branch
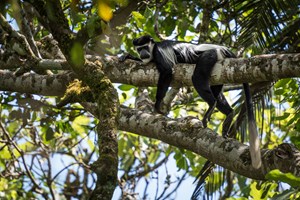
[24, 47]
[255, 69]
[31, 83]
[189, 134]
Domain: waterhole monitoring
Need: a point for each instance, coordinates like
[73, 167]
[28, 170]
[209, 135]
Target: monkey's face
[145, 52]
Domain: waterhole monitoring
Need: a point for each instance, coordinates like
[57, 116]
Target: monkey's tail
[253, 134]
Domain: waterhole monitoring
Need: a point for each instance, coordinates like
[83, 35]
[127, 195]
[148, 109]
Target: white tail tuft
[254, 145]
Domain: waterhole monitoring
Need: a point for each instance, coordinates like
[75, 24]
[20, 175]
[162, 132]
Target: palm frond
[260, 21]
[200, 179]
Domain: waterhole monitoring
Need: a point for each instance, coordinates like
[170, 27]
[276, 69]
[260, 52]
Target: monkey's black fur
[167, 53]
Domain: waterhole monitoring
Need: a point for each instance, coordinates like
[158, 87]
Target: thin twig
[28, 33]
[21, 154]
[158, 6]
[150, 169]
[19, 37]
[49, 180]
[177, 186]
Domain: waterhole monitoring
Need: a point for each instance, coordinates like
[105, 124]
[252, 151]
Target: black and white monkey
[167, 53]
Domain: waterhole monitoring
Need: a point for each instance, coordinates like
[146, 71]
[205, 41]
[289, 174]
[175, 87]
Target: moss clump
[76, 92]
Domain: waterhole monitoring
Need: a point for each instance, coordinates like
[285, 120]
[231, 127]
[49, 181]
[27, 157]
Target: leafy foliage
[287, 178]
[45, 152]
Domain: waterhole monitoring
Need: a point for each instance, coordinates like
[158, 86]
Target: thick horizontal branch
[255, 69]
[31, 83]
[240, 70]
[189, 134]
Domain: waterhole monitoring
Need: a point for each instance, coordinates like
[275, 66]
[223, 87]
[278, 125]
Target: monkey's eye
[140, 48]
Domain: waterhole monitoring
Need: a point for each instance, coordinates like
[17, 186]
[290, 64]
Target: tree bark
[235, 71]
[103, 92]
[188, 133]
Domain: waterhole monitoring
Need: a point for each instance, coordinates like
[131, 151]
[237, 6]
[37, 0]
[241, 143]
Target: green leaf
[91, 25]
[295, 139]
[263, 191]
[244, 186]
[76, 17]
[139, 18]
[125, 87]
[288, 178]
[49, 134]
[121, 146]
[12, 126]
[282, 83]
[284, 195]
[79, 124]
[154, 155]
[283, 117]
[214, 26]
[182, 163]
[279, 91]
[77, 55]
[5, 154]
[82, 120]
[124, 95]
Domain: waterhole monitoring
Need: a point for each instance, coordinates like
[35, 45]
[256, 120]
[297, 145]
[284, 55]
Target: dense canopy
[75, 123]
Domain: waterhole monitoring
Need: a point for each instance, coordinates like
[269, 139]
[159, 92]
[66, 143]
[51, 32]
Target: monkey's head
[144, 46]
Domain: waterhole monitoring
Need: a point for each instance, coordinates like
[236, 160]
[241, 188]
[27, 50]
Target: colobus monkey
[167, 53]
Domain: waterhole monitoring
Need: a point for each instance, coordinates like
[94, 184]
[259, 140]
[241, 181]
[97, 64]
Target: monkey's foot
[204, 122]
[225, 134]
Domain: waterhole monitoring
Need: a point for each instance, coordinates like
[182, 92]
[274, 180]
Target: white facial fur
[150, 46]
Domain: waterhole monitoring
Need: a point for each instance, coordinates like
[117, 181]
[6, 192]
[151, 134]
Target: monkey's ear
[149, 38]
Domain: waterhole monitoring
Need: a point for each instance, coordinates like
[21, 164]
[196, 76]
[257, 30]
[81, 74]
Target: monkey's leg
[200, 80]
[205, 93]
[164, 81]
[223, 107]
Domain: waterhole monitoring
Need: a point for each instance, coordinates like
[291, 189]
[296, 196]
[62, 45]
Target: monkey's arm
[164, 81]
[129, 56]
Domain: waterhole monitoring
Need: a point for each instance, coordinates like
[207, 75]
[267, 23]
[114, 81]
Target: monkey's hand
[204, 122]
[123, 58]
[128, 56]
